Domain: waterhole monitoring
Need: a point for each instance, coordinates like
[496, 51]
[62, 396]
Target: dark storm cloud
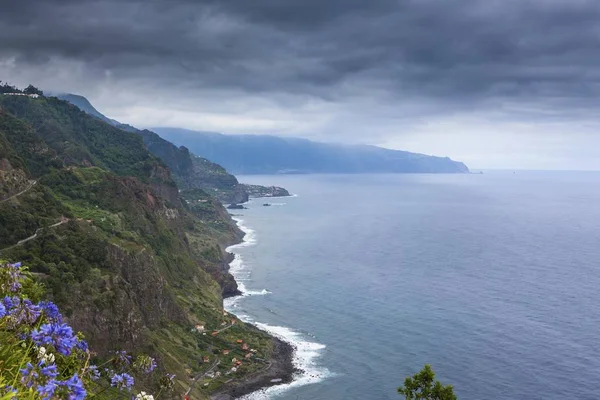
[490, 82]
[463, 48]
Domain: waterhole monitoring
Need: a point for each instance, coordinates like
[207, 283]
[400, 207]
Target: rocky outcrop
[265, 191]
[134, 299]
[12, 181]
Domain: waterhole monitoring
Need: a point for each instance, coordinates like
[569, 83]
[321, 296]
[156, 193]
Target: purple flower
[12, 275]
[26, 312]
[11, 302]
[47, 390]
[122, 357]
[151, 366]
[145, 364]
[2, 310]
[8, 389]
[49, 371]
[122, 381]
[28, 375]
[58, 335]
[75, 387]
[50, 310]
[82, 345]
[94, 372]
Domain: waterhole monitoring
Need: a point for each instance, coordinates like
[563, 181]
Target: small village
[32, 95]
[229, 354]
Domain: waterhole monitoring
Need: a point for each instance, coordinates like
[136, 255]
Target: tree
[33, 90]
[423, 386]
[6, 88]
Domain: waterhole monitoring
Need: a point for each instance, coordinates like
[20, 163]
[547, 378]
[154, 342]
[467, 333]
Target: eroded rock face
[163, 184]
[134, 300]
[12, 180]
[5, 165]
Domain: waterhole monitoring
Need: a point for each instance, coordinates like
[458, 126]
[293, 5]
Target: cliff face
[12, 180]
[131, 263]
[135, 299]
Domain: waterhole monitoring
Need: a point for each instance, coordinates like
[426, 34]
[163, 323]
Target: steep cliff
[100, 222]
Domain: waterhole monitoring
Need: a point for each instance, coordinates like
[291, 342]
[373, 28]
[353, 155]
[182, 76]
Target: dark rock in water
[236, 207]
[266, 205]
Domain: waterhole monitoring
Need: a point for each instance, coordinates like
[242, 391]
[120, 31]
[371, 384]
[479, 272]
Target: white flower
[43, 355]
[144, 396]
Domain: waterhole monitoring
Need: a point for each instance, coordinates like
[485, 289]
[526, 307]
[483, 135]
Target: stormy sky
[493, 83]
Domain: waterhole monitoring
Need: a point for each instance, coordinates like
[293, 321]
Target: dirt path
[32, 184]
[203, 374]
[20, 242]
[224, 329]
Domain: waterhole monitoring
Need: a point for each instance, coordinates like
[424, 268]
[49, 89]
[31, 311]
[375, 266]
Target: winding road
[32, 184]
[203, 374]
[20, 242]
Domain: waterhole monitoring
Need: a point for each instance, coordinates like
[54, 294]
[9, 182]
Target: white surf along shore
[305, 352]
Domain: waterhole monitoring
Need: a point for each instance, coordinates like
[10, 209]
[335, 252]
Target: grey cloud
[398, 59]
[438, 47]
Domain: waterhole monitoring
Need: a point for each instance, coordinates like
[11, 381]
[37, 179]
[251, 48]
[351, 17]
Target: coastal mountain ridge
[133, 263]
[189, 170]
[264, 154]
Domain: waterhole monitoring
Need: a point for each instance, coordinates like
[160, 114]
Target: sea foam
[305, 352]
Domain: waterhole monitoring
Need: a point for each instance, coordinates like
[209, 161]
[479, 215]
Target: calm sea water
[493, 279]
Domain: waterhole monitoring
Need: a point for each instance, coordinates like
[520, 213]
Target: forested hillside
[189, 170]
[100, 222]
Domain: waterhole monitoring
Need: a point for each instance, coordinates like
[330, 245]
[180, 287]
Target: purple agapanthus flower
[75, 387]
[122, 381]
[49, 371]
[26, 312]
[151, 365]
[47, 390]
[2, 310]
[59, 335]
[94, 372]
[28, 375]
[8, 389]
[123, 357]
[13, 277]
[11, 302]
[50, 310]
[82, 345]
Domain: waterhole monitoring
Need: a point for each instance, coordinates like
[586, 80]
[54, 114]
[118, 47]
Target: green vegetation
[78, 139]
[101, 225]
[7, 88]
[42, 358]
[188, 170]
[423, 386]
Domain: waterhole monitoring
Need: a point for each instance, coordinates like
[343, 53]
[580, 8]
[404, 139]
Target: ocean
[493, 279]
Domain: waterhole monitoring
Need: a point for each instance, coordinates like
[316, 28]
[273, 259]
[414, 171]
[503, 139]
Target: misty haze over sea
[490, 278]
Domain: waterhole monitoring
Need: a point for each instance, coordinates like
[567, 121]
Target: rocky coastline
[279, 368]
